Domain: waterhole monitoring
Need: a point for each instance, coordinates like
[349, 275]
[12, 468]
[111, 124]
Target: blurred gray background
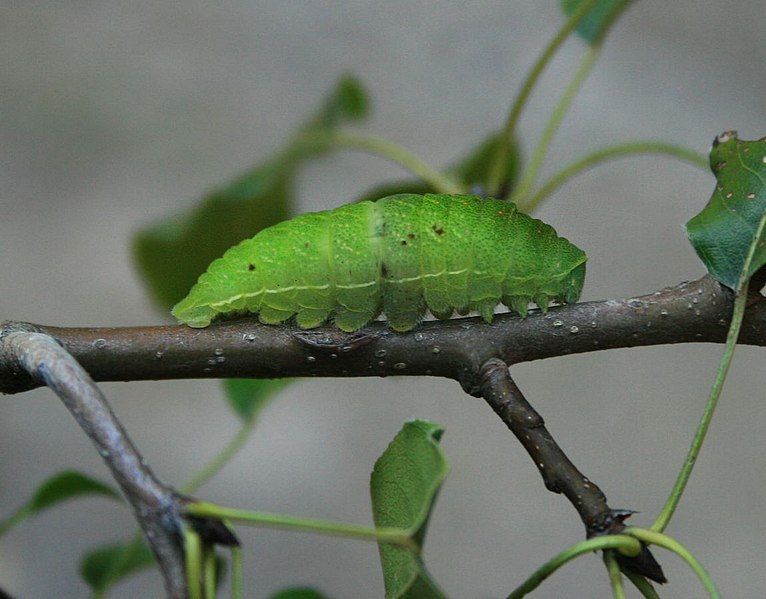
[115, 113]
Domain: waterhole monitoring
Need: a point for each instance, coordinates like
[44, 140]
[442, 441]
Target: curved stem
[561, 108]
[213, 467]
[399, 155]
[615, 576]
[707, 415]
[656, 538]
[501, 156]
[206, 473]
[395, 536]
[581, 74]
[595, 544]
[610, 153]
[740, 303]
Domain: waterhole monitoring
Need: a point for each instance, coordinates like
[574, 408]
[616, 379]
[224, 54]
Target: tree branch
[693, 312]
[559, 474]
[468, 350]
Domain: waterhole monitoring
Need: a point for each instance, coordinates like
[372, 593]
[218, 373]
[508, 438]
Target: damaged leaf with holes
[725, 229]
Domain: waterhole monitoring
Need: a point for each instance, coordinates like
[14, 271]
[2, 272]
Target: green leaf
[60, 487]
[348, 101]
[298, 593]
[247, 397]
[171, 253]
[404, 485]
[106, 565]
[725, 229]
[473, 170]
[66, 485]
[595, 22]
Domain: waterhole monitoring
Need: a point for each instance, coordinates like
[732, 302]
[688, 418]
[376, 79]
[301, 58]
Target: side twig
[559, 474]
[156, 505]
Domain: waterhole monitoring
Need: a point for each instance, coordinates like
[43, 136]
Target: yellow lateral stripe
[234, 298]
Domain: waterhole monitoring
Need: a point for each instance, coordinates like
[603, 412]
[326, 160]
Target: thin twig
[669, 543]
[663, 519]
[642, 585]
[583, 547]
[559, 474]
[610, 153]
[223, 457]
[155, 504]
[396, 536]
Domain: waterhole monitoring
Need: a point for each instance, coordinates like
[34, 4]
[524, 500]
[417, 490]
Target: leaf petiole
[653, 537]
[620, 542]
[391, 151]
[740, 302]
[394, 536]
[615, 576]
[610, 153]
[562, 106]
[501, 155]
[193, 554]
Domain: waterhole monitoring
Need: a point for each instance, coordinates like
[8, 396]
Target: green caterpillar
[399, 255]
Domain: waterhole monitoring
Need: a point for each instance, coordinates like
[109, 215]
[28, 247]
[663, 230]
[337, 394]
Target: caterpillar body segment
[400, 256]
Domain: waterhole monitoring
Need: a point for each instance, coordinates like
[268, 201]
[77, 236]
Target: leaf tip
[724, 137]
